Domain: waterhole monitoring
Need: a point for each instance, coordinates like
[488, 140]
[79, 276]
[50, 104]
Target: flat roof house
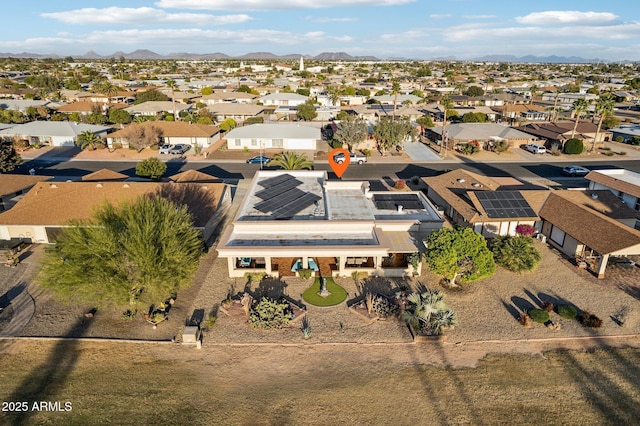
[292, 220]
[287, 136]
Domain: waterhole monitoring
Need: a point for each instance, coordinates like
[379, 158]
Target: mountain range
[143, 54]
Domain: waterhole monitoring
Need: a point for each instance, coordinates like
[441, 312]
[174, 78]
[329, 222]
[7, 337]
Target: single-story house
[50, 206]
[624, 184]
[287, 136]
[155, 108]
[52, 133]
[221, 97]
[238, 112]
[12, 187]
[559, 132]
[283, 99]
[491, 206]
[590, 226]
[483, 133]
[292, 220]
[627, 132]
[172, 132]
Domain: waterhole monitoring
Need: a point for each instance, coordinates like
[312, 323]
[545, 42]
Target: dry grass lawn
[277, 385]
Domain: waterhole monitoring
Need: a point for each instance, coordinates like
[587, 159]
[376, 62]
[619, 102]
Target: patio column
[341, 266]
[305, 262]
[602, 265]
[231, 263]
[377, 263]
[267, 265]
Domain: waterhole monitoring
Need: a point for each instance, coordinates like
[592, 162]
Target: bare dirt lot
[327, 384]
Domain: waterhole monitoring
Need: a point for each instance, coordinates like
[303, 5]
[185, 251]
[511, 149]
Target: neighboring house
[105, 175]
[483, 133]
[590, 226]
[292, 220]
[82, 108]
[283, 99]
[12, 187]
[23, 105]
[559, 132]
[398, 100]
[48, 207]
[239, 112]
[627, 132]
[227, 98]
[173, 132]
[624, 184]
[52, 133]
[521, 112]
[156, 108]
[469, 200]
[287, 136]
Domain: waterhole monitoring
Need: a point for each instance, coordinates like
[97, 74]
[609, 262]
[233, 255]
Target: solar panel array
[504, 204]
[282, 198]
[392, 201]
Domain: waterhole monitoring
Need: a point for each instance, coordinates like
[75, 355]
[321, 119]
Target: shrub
[524, 319]
[366, 152]
[116, 145]
[525, 230]
[415, 180]
[305, 327]
[501, 146]
[590, 320]
[400, 184]
[538, 315]
[622, 153]
[21, 143]
[254, 276]
[573, 146]
[151, 168]
[383, 307]
[305, 274]
[547, 306]
[245, 149]
[567, 311]
[619, 139]
[270, 314]
[469, 148]
[254, 120]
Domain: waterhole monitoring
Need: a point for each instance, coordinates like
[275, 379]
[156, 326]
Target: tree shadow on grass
[47, 381]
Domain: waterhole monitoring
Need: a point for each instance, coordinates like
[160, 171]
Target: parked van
[535, 149]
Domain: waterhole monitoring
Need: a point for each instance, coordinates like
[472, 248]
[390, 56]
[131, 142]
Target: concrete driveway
[420, 152]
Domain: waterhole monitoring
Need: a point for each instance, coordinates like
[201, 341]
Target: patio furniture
[245, 262]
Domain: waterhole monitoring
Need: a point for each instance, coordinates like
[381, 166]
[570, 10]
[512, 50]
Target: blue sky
[419, 29]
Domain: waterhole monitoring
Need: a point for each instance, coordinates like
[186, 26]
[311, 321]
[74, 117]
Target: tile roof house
[13, 186]
[283, 99]
[48, 207]
[559, 132]
[237, 111]
[52, 133]
[457, 194]
[173, 132]
[483, 133]
[292, 220]
[155, 108]
[591, 226]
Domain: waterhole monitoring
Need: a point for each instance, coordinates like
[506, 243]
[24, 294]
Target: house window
[557, 235]
[637, 206]
[254, 142]
[238, 142]
[277, 143]
[620, 194]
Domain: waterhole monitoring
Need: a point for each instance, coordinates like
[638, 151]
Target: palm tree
[579, 106]
[107, 88]
[428, 312]
[88, 138]
[395, 89]
[333, 93]
[171, 84]
[604, 107]
[447, 103]
[290, 160]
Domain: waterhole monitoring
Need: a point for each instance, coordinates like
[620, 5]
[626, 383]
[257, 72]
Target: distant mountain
[553, 59]
[265, 56]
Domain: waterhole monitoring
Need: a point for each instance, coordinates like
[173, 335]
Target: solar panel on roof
[281, 188]
[392, 201]
[277, 202]
[298, 205]
[504, 204]
[276, 180]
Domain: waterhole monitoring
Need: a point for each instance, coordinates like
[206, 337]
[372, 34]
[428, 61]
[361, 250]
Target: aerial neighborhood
[310, 201]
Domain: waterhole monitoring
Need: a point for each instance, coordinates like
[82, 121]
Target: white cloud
[273, 4]
[568, 17]
[140, 16]
[440, 15]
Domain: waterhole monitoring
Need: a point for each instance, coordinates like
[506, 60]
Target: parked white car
[535, 148]
[164, 149]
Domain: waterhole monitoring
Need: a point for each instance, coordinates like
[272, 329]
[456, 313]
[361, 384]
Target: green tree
[459, 252]
[351, 131]
[150, 95]
[138, 253]
[447, 104]
[610, 121]
[391, 133]
[151, 168]
[474, 117]
[228, 124]
[205, 91]
[574, 146]
[119, 116]
[306, 111]
[517, 254]
[334, 93]
[474, 91]
[290, 160]
[303, 91]
[88, 139]
[171, 84]
[9, 158]
[425, 121]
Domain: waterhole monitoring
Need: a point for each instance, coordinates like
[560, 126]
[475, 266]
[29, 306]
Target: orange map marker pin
[339, 159]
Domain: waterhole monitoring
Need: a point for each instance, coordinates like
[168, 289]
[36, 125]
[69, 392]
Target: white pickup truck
[353, 158]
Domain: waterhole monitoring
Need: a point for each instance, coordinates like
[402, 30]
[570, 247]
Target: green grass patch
[337, 296]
